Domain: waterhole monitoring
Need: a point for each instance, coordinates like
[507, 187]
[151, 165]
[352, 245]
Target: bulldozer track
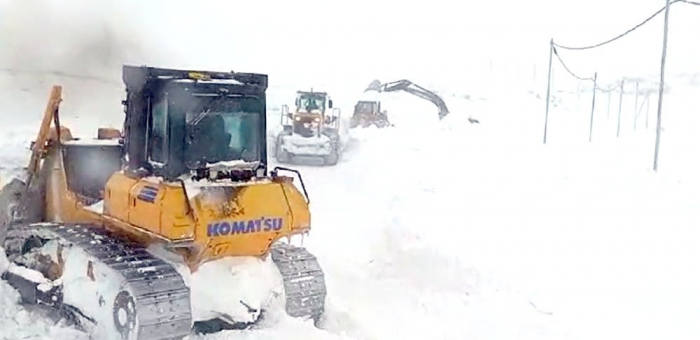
[304, 281]
[158, 292]
[154, 298]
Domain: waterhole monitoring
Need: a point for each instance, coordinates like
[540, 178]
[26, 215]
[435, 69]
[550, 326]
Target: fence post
[636, 99]
[636, 114]
[595, 86]
[619, 111]
[648, 104]
[578, 94]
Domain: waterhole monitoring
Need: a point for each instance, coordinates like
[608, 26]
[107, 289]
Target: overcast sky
[343, 42]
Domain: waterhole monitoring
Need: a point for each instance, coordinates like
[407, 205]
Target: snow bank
[519, 239]
[226, 286]
[18, 322]
[389, 240]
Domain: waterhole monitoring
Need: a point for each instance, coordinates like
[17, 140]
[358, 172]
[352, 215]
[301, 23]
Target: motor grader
[170, 227]
[313, 131]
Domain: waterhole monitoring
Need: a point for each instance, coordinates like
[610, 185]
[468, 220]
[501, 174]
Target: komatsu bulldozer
[314, 130]
[170, 227]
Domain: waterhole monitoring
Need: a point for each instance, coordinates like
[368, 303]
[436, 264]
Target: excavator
[368, 110]
[313, 130]
[171, 227]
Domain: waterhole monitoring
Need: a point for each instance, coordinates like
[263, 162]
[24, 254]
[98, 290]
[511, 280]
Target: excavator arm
[410, 87]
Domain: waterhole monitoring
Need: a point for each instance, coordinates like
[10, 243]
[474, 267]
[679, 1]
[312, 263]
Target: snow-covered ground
[427, 230]
[452, 230]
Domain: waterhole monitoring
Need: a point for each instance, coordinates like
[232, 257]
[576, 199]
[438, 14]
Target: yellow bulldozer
[171, 227]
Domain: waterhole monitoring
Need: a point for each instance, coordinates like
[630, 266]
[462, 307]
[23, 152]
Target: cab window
[158, 147]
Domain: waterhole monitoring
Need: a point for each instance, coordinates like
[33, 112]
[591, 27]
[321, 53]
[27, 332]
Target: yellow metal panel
[145, 206]
[176, 222]
[158, 207]
[299, 207]
[117, 200]
[61, 204]
[247, 220]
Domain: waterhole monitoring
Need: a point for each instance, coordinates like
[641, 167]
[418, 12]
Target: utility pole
[661, 87]
[595, 86]
[549, 83]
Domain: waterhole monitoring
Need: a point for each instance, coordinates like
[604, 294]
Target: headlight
[297, 118]
[317, 119]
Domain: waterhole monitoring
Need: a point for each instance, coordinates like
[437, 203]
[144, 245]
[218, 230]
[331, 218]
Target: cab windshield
[309, 102]
[364, 107]
[223, 129]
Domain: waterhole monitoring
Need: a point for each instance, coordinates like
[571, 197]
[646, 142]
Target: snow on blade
[20, 322]
[4, 263]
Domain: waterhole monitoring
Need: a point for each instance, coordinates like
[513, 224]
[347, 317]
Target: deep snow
[452, 230]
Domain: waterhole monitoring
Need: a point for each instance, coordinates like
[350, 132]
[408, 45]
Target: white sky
[350, 43]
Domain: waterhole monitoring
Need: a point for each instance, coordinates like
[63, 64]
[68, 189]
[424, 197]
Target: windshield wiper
[198, 118]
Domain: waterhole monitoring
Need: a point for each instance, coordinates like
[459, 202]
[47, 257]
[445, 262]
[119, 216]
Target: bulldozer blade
[10, 195]
[20, 204]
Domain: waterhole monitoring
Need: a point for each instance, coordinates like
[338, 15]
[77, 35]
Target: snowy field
[451, 230]
[429, 229]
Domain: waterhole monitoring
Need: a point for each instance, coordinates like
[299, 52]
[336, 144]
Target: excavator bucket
[375, 85]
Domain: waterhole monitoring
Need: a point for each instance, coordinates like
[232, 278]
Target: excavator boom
[410, 87]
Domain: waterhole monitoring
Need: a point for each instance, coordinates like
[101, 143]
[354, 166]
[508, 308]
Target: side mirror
[330, 103]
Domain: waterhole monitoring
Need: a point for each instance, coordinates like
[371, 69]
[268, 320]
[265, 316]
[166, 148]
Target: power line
[628, 31]
[567, 68]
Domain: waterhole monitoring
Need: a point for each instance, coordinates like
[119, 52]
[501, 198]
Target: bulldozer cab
[311, 102]
[314, 114]
[367, 107]
[182, 122]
